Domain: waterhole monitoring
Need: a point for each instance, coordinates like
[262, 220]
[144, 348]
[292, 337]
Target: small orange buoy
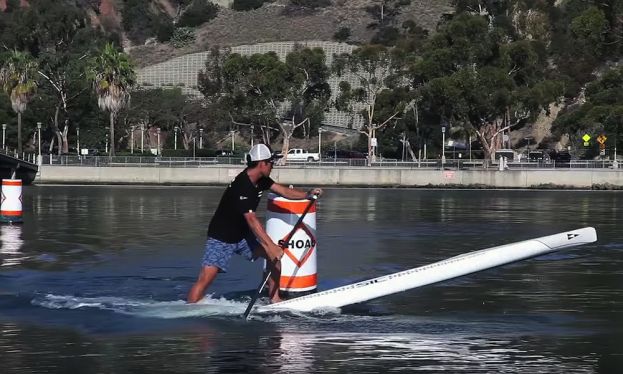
[11, 207]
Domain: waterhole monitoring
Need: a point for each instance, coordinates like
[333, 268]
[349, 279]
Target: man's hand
[275, 252]
[317, 192]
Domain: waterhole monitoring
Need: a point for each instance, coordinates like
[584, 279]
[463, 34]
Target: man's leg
[206, 276]
[215, 260]
[273, 281]
[275, 273]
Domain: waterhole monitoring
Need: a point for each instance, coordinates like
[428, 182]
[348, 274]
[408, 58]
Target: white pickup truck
[298, 154]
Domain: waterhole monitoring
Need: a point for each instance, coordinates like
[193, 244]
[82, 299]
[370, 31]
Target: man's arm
[294, 193]
[272, 250]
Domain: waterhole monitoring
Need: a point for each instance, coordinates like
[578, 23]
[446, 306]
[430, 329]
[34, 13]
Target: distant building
[182, 72]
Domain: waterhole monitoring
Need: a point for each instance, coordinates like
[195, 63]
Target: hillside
[276, 21]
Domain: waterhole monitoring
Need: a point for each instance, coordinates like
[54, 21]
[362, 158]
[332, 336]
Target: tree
[309, 93]
[263, 90]
[162, 108]
[66, 39]
[385, 15]
[472, 78]
[18, 79]
[245, 5]
[142, 19]
[601, 112]
[112, 75]
[590, 29]
[311, 3]
[375, 68]
[200, 11]
[342, 34]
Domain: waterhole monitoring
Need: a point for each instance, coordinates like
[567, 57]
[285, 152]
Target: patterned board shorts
[218, 253]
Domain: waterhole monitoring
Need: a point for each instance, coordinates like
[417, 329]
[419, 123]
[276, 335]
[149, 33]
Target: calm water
[93, 282]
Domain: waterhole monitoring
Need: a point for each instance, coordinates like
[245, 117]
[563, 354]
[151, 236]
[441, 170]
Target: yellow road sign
[601, 139]
[586, 137]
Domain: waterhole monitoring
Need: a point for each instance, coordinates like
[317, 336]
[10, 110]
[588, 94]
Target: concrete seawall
[336, 176]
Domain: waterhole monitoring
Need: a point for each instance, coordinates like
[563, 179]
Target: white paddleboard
[437, 272]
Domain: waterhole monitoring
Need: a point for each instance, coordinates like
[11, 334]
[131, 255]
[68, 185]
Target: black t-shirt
[241, 196]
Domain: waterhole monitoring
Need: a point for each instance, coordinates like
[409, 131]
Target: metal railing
[185, 162]
[24, 156]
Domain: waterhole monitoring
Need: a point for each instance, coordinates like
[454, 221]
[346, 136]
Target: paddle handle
[257, 293]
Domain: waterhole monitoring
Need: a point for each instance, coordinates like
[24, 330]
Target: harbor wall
[338, 176]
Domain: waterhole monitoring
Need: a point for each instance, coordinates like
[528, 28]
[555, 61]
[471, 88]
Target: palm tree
[113, 75]
[17, 77]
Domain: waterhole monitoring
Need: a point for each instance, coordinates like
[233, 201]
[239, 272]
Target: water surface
[94, 282]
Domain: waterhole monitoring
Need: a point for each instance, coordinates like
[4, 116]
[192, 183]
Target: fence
[185, 162]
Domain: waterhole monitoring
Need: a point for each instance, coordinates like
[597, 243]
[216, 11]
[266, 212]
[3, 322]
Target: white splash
[145, 308]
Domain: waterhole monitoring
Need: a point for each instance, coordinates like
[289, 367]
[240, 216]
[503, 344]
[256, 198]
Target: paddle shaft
[257, 293]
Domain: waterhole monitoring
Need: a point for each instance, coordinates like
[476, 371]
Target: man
[235, 228]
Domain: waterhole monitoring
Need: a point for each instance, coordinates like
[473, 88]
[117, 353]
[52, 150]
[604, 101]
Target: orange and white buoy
[11, 207]
[298, 264]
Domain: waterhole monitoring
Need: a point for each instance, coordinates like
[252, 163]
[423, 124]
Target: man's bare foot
[276, 300]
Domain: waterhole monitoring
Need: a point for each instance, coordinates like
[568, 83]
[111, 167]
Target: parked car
[224, 153]
[299, 154]
[539, 155]
[560, 156]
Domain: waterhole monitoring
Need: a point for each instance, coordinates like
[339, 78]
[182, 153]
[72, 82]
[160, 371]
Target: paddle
[257, 293]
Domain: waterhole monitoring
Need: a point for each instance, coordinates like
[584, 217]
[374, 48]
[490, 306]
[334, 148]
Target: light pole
[78, 139]
[615, 163]
[4, 136]
[200, 138]
[158, 139]
[320, 141]
[142, 137]
[233, 145]
[106, 149]
[39, 142]
[404, 141]
[176, 128]
[443, 145]
[251, 136]
[132, 128]
[194, 146]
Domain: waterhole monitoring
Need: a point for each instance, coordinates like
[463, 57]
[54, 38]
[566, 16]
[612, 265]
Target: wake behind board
[437, 272]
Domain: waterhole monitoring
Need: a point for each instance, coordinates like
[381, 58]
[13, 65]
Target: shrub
[182, 37]
[342, 34]
[177, 153]
[164, 31]
[200, 11]
[244, 5]
[311, 3]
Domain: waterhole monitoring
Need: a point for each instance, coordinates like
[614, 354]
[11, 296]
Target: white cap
[261, 152]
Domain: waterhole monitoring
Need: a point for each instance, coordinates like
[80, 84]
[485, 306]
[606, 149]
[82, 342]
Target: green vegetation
[17, 77]
[244, 5]
[260, 91]
[113, 76]
[602, 113]
[342, 34]
[198, 12]
[140, 21]
[311, 3]
[490, 67]
[182, 37]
